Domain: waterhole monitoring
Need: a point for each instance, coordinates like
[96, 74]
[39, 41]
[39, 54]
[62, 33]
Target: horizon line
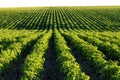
[61, 6]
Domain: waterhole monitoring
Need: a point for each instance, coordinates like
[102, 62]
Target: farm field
[60, 43]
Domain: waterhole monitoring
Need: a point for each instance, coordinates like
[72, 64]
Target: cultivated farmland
[60, 43]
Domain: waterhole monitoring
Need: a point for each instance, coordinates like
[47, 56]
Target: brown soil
[51, 71]
[84, 64]
[14, 72]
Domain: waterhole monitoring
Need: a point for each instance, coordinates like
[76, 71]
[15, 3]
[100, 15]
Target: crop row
[67, 64]
[68, 18]
[102, 55]
[15, 49]
[107, 69]
[33, 64]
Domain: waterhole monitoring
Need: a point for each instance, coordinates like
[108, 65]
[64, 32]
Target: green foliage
[14, 50]
[92, 31]
[108, 70]
[33, 65]
[67, 63]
